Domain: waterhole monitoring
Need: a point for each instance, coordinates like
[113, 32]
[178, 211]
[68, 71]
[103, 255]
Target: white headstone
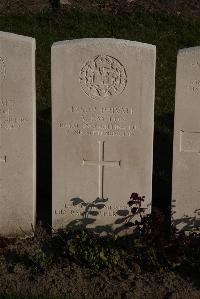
[64, 2]
[17, 134]
[102, 114]
[186, 156]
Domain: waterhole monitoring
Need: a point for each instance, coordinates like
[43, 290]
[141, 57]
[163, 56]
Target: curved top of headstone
[18, 37]
[189, 50]
[105, 40]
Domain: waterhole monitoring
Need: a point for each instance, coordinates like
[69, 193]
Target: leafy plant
[88, 248]
[151, 237]
[37, 259]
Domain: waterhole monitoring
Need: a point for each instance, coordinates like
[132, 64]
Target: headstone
[102, 117]
[186, 163]
[17, 134]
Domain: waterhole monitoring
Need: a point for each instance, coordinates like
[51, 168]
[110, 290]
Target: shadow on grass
[44, 169]
[162, 170]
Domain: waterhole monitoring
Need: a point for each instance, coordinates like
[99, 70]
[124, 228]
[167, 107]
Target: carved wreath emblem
[103, 77]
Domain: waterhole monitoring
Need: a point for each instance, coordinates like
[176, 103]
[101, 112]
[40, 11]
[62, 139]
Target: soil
[71, 278]
[186, 8]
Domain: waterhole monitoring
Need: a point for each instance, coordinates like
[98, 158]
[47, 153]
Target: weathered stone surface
[102, 113]
[64, 2]
[17, 134]
[186, 163]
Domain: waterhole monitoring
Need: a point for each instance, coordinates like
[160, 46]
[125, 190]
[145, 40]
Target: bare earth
[79, 281]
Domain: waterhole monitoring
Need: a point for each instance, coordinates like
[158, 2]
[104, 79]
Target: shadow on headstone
[187, 223]
[91, 210]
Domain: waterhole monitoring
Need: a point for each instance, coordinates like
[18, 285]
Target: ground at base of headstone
[81, 264]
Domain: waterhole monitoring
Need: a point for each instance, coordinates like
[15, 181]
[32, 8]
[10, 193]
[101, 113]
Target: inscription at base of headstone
[186, 155]
[17, 134]
[102, 118]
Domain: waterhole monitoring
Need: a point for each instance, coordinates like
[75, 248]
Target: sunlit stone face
[186, 158]
[102, 114]
[17, 134]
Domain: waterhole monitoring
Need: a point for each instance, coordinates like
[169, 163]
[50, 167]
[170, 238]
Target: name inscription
[8, 118]
[100, 121]
[106, 211]
[194, 86]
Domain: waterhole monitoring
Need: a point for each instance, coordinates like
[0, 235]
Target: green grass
[168, 33]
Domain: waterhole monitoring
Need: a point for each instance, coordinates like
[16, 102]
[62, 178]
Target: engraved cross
[101, 163]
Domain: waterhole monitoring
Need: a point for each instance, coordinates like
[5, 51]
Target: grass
[168, 33]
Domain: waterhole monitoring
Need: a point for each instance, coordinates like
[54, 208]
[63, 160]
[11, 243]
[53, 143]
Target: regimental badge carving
[103, 77]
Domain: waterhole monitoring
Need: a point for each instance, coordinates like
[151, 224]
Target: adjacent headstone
[186, 163]
[103, 115]
[17, 134]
